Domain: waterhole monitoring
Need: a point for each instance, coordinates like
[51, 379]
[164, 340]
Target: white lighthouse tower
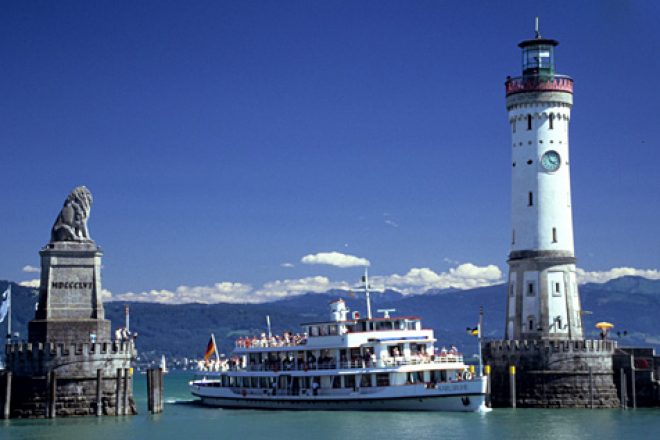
[543, 300]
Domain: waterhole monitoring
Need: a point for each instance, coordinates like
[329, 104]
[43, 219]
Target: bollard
[155, 390]
[488, 381]
[150, 384]
[6, 407]
[52, 395]
[99, 392]
[512, 385]
[624, 385]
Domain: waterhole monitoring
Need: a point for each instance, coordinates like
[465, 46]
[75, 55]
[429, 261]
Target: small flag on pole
[473, 331]
[210, 349]
[5, 303]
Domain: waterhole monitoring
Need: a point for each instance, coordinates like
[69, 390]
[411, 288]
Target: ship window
[554, 235]
[530, 322]
[332, 330]
[366, 380]
[529, 122]
[530, 199]
[349, 381]
[551, 121]
[382, 380]
[336, 382]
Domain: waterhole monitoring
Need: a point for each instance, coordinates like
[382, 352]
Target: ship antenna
[536, 28]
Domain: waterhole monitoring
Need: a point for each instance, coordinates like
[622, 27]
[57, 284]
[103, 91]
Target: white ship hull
[468, 396]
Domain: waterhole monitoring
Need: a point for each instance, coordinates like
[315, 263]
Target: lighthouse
[544, 360]
[542, 297]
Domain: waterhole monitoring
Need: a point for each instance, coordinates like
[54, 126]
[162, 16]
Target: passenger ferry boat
[345, 363]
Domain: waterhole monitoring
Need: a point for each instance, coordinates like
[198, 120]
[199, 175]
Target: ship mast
[365, 280]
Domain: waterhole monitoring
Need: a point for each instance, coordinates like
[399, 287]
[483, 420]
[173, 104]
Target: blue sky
[223, 140]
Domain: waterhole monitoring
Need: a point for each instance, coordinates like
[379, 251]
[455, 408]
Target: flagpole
[215, 348]
[9, 318]
[481, 318]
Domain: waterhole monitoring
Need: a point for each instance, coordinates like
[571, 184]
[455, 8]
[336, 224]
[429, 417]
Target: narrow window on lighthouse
[529, 122]
[530, 201]
[513, 237]
[552, 120]
[554, 235]
[530, 289]
[513, 125]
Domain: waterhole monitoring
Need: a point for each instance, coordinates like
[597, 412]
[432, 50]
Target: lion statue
[71, 223]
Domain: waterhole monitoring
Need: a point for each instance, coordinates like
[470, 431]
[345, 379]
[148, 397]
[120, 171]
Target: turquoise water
[181, 420]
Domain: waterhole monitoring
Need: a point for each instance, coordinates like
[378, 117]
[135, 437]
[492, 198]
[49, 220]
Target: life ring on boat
[467, 375]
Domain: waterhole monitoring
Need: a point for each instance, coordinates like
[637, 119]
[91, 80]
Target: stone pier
[552, 374]
[70, 365]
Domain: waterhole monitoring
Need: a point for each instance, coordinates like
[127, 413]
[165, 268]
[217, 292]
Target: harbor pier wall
[552, 374]
[53, 380]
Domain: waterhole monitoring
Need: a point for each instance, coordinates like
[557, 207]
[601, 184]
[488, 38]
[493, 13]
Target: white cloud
[274, 290]
[35, 283]
[229, 292]
[463, 276]
[219, 292]
[335, 259]
[616, 272]
[391, 223]
[30, 269]
[288, 265]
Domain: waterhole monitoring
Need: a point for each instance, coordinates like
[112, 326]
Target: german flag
[210, 349]
[473, 331]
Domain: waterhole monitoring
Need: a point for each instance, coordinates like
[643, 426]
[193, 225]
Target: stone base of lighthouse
[552, 374]
[543, 301]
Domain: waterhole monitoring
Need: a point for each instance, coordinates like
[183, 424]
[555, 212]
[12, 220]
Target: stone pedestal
[552, 374]
[70, 304]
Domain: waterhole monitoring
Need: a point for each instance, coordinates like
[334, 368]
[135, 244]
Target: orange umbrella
[604, 325]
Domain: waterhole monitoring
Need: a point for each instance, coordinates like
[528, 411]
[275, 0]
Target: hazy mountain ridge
[631, 303]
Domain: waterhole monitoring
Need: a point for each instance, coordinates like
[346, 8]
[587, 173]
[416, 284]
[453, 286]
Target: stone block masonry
[552, 374]
[55, 380]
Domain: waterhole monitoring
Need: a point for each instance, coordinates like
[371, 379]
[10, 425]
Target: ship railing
[268, 343]
[448, 358]
[353, 364]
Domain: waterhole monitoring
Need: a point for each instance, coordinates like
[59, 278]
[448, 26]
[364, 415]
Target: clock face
[551, 160]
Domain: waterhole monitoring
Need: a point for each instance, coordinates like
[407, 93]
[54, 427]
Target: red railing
[558, 83]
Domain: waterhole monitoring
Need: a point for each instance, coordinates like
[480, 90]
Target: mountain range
[177, 331]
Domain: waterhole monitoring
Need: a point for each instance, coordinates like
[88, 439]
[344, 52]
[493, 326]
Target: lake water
[184, 421]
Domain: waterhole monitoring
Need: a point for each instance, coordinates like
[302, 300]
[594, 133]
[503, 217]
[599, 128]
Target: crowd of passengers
[287, 339]
[365, 360]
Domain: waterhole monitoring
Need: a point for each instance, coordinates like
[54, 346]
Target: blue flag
[5, 303]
